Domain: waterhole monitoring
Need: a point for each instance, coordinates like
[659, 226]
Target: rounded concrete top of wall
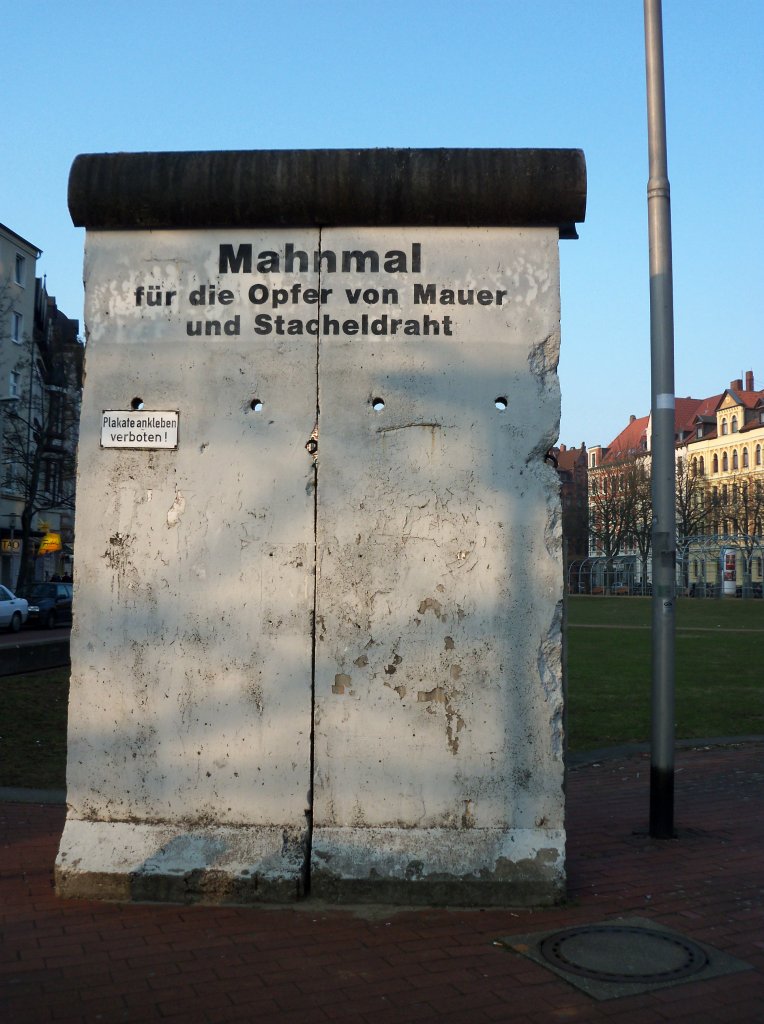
[330, 188]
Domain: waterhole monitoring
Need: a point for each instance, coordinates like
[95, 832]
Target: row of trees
[620, 509]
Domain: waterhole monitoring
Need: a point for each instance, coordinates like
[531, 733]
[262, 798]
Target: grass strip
[718, 681]
[719, 685]
[33, 714]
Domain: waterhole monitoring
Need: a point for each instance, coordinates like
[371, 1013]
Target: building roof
[14, 236]
[707, 406]
[568, 458]
[747, 398]
[685, 411]
[689, 414]
[632, 439]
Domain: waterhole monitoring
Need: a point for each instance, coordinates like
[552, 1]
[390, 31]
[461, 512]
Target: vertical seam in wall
[315, 435]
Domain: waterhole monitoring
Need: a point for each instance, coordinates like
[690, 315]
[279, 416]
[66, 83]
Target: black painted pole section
[662, 403]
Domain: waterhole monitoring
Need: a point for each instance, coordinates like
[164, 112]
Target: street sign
[139, 429]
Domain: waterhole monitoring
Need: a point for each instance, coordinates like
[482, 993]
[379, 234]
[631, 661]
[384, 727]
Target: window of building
[52, 479]
[700, 430]
[702, 466]
[19, 272]
[56, 414]
[757, 459]
[716, 464]
[14, 384]
[734, 459]
[745, 458]
[724, 494]
[725, 463]
[10, 475]
[694, 468]
[734, 424]
[724, 427]
[17, 327]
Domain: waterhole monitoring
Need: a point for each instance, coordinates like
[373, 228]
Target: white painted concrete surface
[438, 683]
[438, 695]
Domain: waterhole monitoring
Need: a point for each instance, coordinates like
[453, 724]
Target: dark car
[49, 604]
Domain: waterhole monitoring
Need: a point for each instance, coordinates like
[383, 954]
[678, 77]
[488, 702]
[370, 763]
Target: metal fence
[718, 565]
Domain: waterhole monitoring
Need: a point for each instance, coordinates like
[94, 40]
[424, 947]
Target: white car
[13, 610]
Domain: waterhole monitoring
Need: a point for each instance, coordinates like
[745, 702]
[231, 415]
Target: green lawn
[719, 684]
[33, 711]
[729, 613]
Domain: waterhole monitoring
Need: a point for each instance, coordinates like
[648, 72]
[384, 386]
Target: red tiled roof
[707, 406]
[751, 425]
[687, 413]
[749, 398]
[570, 457]
[631, 439]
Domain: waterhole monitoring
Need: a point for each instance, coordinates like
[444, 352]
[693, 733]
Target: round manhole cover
[623, 953]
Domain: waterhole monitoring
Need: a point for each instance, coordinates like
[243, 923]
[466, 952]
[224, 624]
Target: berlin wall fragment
[318, 572]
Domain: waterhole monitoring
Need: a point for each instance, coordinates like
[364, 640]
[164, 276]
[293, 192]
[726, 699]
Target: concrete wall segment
[379, 655]
[438, 698]
[193, 653]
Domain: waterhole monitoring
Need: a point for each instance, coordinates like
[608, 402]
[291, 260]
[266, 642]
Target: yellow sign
[51, 542]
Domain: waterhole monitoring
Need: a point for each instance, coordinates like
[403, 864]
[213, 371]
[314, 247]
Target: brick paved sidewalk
[85, 961]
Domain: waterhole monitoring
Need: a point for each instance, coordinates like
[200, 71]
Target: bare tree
[691, 502]
[610, 515]
[738, 506]
[40, 431]
[692, 507]
[639, 508]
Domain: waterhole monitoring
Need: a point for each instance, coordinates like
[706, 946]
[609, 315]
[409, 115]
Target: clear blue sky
[101, 77]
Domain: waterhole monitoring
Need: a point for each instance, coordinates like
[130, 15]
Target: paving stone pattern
[83, 961]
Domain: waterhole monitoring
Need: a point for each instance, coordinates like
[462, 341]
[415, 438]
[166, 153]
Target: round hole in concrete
[137, 403]
[377, 404]
[501, 403]
[256, 405]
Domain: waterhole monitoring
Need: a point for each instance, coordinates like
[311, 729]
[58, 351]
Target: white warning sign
[139, 429]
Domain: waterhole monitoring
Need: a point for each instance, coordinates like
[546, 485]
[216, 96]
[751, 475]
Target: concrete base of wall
[223, 864]
[417, 867]
[477, 867]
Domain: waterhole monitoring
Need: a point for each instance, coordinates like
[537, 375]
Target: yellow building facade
[722, 467]
[720, 497]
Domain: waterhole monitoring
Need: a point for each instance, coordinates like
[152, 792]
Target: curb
[587, 758]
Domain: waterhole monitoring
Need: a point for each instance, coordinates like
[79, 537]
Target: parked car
[13, 610]
[49, 604]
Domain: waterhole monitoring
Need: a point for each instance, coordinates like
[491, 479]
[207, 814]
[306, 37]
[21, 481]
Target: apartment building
[41, 363]
[719, 444]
